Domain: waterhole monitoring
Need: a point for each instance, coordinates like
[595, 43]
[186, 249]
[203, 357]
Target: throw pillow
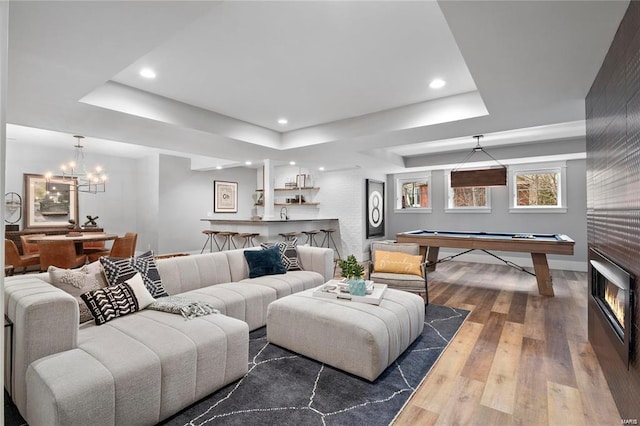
[116, 301]
[264, 262]
[396, 262]
[288, 253]
[110, 303]
[78, 281]
[119, 270]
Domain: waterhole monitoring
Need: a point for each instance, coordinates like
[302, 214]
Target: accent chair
[403, 269]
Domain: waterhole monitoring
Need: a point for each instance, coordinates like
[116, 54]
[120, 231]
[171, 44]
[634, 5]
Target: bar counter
[270, 229]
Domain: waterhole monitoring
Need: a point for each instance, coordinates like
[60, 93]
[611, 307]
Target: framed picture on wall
[375, 208]
[49, 202]
[225, 197]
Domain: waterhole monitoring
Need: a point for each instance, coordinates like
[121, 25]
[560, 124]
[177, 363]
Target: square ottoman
[358, 338]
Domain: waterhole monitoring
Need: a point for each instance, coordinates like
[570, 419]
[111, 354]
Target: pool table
[539, 245]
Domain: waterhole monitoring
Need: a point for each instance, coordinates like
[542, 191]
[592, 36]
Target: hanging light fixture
[494, 176]
[77, 174]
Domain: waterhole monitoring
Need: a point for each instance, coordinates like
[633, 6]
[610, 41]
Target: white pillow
[140, 290]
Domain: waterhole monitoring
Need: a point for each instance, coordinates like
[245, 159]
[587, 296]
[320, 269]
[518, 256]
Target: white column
[267, 173]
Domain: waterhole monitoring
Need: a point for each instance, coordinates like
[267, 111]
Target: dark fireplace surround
[611, 301]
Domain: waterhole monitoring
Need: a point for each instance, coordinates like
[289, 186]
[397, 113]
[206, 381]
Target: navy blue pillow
[264, 262]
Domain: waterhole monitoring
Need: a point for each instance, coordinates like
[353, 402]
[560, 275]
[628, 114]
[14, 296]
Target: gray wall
[573, 223]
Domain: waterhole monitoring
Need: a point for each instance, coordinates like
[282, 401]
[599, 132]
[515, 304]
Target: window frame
[412, 177]
[559, 167]
[448, 193]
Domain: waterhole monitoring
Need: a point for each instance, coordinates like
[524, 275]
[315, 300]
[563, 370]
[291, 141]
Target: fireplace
[612, 295]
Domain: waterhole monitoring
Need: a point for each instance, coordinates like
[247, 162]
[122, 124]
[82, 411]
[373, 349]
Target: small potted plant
[352, 271]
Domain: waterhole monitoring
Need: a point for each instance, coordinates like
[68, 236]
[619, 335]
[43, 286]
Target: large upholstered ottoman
[359, 338]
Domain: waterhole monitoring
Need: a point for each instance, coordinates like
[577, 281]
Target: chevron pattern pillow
[110, 303]
[119, 270]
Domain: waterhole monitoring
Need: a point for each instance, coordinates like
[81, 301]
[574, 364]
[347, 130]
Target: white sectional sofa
[144, 367]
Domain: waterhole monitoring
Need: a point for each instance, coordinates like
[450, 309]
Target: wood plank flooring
[519, 358]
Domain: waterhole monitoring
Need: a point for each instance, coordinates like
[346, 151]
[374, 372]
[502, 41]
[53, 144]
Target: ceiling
[351, 78]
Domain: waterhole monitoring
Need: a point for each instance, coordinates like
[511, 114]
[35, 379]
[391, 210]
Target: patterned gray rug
[283, 388]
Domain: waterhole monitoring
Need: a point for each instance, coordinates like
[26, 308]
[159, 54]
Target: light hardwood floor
[519, 358]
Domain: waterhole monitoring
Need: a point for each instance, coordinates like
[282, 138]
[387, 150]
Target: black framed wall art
[375, 208]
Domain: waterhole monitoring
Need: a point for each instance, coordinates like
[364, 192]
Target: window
[538, 187]
[472, 199]
[413, 192]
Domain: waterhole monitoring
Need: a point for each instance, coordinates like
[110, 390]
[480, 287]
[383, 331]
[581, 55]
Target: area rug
[283, 388]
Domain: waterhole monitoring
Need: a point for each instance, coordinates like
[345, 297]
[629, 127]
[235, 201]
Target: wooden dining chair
[13, 257]
[27, 247]
[122, 247]
[59, 253]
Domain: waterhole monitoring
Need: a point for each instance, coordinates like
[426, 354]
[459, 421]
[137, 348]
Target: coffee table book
[331, 290]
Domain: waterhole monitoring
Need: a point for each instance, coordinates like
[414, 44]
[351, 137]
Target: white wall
[342, 195]
[116, 207]
[186, 197]
[573, 223]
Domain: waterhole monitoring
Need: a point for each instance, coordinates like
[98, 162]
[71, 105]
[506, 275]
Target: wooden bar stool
[210, 240]
[311, 237]
[288, 236]
[328, 236]
[227, 239]
[248, 238]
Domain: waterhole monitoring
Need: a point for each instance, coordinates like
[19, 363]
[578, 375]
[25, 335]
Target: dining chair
[93, 246]
[27, 247]
[59, 253]
[124, 246]
[13, 257]
[413, 279]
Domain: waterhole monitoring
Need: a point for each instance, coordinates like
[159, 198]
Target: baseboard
[526, 262]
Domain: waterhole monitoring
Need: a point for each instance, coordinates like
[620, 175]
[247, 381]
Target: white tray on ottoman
[359, 338]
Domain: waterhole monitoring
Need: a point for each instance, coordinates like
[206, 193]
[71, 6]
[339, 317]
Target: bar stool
[311, 237]
[210, 240]
[248, 238]
[288, 236]
[228, 239]
[328, 236]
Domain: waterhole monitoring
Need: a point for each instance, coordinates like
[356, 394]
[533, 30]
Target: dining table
[78, 238]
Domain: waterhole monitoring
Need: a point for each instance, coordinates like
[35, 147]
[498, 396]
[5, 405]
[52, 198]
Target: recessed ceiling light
[282, 121]
[218, 167]
[147, 73]
[248, 163]
[292, 163]
[321, 168]
[437, 83]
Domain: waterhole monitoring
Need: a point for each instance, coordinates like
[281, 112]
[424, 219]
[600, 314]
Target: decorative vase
[357, 287]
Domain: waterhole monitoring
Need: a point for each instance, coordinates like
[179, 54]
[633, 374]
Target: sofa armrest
[318, 259]
[45, 321]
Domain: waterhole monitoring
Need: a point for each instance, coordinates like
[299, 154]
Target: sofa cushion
[264, 262]
[288, 253]
[247, 303]
[119, 270]
[289, 283]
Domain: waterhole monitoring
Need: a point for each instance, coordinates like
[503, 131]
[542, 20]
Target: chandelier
[77, 174]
